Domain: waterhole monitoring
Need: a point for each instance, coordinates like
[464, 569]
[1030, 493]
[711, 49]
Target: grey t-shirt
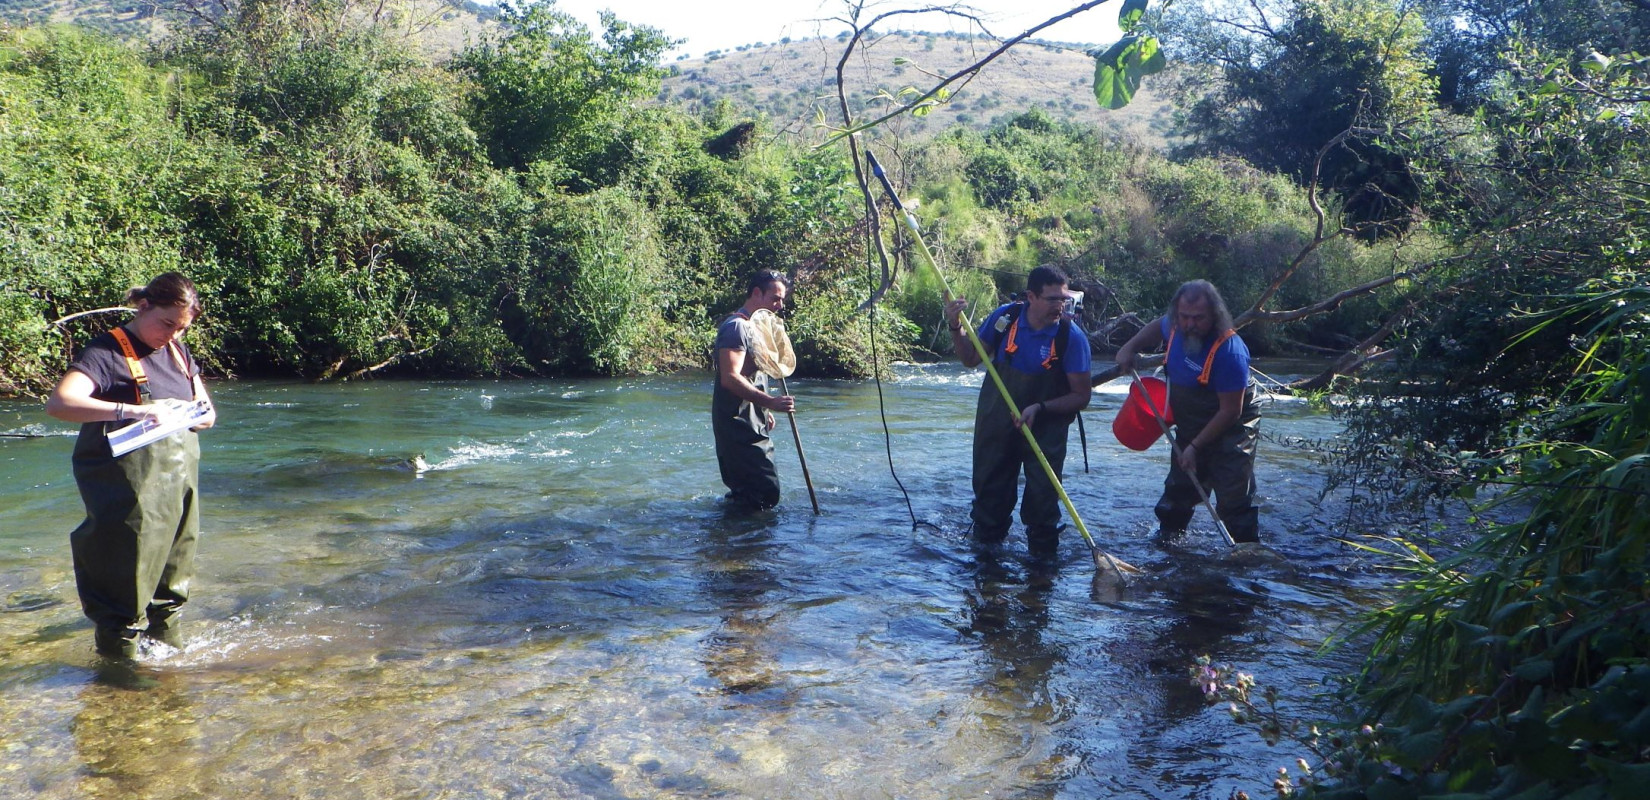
[735, 333]
[103, 362]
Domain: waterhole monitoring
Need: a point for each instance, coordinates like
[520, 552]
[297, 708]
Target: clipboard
[146, 432]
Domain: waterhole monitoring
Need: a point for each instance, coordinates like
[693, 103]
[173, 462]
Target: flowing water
[559, 606]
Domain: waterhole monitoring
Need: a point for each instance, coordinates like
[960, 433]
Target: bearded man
[1212, 401]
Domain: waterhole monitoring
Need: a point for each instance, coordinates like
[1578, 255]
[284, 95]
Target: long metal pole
[991, 370]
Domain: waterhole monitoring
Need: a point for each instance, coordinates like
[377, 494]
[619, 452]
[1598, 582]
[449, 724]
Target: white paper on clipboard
[146, 432]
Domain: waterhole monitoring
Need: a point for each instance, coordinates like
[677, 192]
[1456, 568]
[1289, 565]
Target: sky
[709, 25]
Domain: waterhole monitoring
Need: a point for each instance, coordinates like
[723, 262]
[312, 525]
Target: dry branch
[851, 130]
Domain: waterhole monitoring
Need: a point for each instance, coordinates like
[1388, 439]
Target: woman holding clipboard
[134, 554]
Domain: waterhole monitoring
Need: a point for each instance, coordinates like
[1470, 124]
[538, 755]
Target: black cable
[876, 376]
[1083, 436]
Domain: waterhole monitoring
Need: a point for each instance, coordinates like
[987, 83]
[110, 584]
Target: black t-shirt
[103, 362]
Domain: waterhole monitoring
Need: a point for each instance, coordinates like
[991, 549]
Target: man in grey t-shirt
[741, 409]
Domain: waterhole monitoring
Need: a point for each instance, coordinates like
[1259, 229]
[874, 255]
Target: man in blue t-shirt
[1043, 359]
[1216, 420]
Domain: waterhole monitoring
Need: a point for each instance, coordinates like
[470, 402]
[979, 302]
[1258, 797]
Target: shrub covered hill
[788, 80]
[438, 28]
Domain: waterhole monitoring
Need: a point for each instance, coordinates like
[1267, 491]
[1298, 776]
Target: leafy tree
[1468, 38]
[1543, 195]
[545, 91]
[91, 171]
[1298, 73]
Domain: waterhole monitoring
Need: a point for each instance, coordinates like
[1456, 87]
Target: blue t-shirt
[1229, 373]
[1033, 346]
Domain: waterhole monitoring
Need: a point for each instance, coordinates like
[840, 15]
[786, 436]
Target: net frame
[771, 345]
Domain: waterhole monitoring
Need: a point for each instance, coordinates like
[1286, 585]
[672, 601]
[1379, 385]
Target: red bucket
[1136, 427]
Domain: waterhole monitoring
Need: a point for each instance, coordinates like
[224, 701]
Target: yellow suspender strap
[1208, 360]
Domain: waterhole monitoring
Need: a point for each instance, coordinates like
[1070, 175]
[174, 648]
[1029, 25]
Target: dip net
[772, 348]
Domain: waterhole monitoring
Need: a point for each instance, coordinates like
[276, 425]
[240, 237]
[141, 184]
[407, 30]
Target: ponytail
[168, 289]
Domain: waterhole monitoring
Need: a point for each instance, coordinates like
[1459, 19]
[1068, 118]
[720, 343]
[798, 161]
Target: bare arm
[211, 417]
[730, 374]
[1148, 338]
[959, 338]
[72, 401]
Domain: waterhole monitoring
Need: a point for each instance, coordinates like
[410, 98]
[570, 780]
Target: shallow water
[558, 606]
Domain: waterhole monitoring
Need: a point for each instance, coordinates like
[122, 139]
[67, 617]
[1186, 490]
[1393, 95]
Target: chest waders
[744, 449]
[1226, 466]
[1110, 572]
[134, 555]
[1001, 451]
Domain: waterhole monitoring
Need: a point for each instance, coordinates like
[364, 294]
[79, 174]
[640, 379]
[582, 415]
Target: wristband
[120, 412]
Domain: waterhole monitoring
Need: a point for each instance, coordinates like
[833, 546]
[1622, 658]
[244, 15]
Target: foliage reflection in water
[531, 589]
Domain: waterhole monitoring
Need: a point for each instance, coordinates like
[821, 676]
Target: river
[558, 606]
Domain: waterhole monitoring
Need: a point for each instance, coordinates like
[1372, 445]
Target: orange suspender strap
[1209, 360]
[141, 378]
[1014, 347]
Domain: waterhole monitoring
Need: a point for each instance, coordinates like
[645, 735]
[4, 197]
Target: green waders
[1226, 468]
[135, 554]
[744, 451]
[1001, 452]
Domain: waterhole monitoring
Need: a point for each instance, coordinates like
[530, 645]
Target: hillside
[439, 27]
[789, 80]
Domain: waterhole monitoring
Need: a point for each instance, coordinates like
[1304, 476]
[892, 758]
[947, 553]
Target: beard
[1194, 344]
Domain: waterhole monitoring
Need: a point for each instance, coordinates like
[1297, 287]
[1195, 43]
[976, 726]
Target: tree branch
[386, 363]
[1332, 302]
[66, 320]
[1358, 356]
[960, 74]
[851, 130]
[1318, 235]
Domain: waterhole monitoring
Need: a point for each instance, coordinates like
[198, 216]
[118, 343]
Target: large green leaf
[1118, 70]
[1129, 17]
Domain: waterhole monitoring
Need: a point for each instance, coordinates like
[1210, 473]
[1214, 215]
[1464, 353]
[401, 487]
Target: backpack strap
[1007, 322]
[1062, 340]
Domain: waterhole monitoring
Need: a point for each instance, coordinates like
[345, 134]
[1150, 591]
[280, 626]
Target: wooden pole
[797, 437]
